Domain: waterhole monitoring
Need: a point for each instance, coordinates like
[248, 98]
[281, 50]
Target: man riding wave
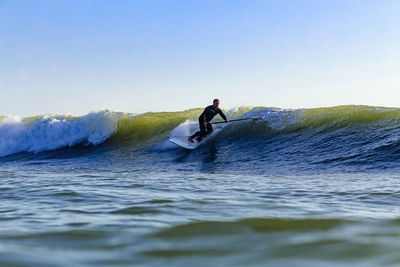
[205, 121]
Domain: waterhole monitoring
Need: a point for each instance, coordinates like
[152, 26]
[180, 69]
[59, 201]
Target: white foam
[277, 118]
[185, 129]
[51, 132]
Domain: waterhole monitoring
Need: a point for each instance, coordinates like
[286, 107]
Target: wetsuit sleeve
[203, 115]
[222, 114]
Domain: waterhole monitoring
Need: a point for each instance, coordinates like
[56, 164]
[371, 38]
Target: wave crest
[50, 132]
[323, 126]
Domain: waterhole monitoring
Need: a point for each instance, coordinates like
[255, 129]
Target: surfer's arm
[222, 115]
[203, 116]
[205, 112]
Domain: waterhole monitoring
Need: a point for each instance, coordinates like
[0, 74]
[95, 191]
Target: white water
[277, 118]
[51, 132]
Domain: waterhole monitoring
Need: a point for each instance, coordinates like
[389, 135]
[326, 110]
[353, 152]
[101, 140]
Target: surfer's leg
[200, 133]
[205, 131]
[209, 128]
[196, 134]
[202, 129]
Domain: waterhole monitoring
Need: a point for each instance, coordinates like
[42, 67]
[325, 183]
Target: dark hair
[215, 100]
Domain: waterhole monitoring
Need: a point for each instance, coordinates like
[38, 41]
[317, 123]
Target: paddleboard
[183, 142]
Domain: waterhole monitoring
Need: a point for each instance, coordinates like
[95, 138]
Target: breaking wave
[341, 134]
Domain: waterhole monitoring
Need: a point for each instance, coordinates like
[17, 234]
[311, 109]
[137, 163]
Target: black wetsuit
[207, 115]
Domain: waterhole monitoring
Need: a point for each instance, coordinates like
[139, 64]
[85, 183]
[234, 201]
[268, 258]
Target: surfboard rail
[184, 143]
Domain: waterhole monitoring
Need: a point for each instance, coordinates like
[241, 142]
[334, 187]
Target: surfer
[205, 121]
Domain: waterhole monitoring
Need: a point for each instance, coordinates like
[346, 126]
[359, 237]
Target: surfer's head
[216, 103]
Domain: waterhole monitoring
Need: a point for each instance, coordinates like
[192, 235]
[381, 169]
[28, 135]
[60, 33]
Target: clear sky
[76, 56]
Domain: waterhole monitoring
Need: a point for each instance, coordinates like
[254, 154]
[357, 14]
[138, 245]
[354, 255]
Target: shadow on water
[210, 155]
[206, 156]
[182, 156]
[209, 158]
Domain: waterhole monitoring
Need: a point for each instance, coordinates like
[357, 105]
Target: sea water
[293, 188]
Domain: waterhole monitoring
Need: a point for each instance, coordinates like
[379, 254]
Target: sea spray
[276, 118]
[50, 132]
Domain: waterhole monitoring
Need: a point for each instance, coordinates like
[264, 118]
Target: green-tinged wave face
[217, 228]
[342, 116]
[148, 127]
[52, 132]
[274, 241]
[342, 134]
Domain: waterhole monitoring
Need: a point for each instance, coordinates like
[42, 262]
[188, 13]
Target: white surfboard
[182, 141]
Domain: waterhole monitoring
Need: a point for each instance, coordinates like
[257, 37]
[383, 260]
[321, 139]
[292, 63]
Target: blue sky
[72, 57]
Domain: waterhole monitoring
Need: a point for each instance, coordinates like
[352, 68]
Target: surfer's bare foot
[190, 139]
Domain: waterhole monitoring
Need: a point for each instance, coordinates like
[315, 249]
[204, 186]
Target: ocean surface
[301, 187]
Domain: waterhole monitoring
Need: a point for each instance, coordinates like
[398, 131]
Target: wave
[350, 130]
[259, 225]
[51, 132]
